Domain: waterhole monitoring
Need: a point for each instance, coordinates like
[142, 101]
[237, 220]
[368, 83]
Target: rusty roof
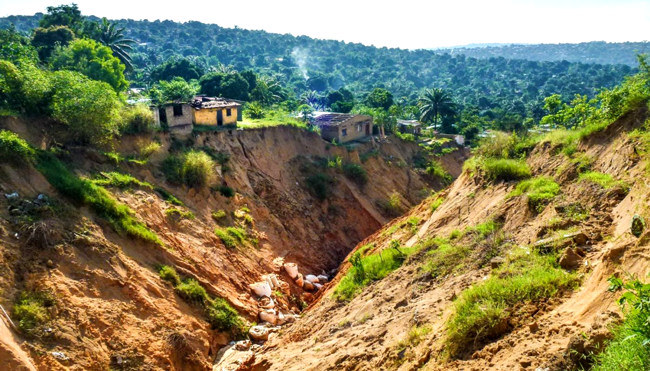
[203, 102]
[335, 119]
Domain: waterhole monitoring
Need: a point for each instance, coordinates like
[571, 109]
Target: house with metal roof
[215, 111]
[409, 127]
[343, 127]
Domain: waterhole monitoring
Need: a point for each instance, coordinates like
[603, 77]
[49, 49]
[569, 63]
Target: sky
[407, 24]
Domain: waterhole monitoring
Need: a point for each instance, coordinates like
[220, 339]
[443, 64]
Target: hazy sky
[402, 23]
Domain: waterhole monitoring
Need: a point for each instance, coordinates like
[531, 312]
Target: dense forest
[276, 69]
[592, 52]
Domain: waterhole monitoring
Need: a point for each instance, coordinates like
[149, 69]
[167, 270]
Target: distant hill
[591, 52]
[304, 64]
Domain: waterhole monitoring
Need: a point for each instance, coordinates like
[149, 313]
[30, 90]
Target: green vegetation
[505, 169]
[225, 191]
[176, 213]
[392, 206]
[194, 169]
[446, 258]
[628, 350]
[86, 192]
[606, 181]
[436, 170]
[120, 180]
[233, 237]
[169, 197]
[370, 268]
[14, 150]
[356, 173]
[319, 185]
[539, 191]
[218, 311]
[482, 311]
[169, 274]
[218, 215]
[31, 310]
[415, 336]
[192, 291]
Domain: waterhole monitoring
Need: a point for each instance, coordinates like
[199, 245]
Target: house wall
[355, 128]
[184, 119]
[208, 116]
[156, 116]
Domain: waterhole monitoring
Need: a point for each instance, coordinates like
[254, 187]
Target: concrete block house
[342, 128]
[215, 111]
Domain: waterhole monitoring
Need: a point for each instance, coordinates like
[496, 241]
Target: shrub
[219, 214]
[137, 119]
[172, 168]
[436, 170]
[446, 258]
[319, 185]
[255, 110]
[505, 169]
[628, 349]
[606, 181]
[226, 191]
[191, 290]
[499, 145]
[176, 213]
[89, 108]
[223, 317]
[198, 169]
[86, 192]
[169, 274]
[121, 181]
[392, 206]
[482, 311]
[14, 150]
[232, 236]
[539, 191]
[31, 311]
[356, 173]
[148, 149]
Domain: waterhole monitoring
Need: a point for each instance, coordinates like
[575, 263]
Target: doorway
[367, 129]
[219, 117]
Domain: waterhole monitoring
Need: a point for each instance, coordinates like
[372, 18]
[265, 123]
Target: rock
[11, 196]
[50, 264]
[533, 327]
[570, 259]
[322, 278]
[402, 303]
[311, 278]
[59, 356]
[452, 297]
[525, 363]
[299, 280]
[307, 285]
[243, 345]
[496, 262]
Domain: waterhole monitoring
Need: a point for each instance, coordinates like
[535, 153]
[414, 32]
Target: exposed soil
[113, 311]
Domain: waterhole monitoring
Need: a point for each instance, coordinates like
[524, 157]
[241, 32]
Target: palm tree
[113, 36]
[434, 104]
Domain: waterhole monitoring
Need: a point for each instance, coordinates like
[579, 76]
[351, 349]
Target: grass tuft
[539, 191]
[606, 181]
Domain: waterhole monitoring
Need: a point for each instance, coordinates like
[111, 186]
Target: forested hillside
[592, 52]
[303, 64]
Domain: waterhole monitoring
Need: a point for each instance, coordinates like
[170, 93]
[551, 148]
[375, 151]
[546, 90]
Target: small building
[343, 127]
[409, 127]
[177, 116]
[215, 111]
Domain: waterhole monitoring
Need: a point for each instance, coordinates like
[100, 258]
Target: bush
[172, 168]
[628, 349]
[219, 214]
[319, 185]
[89, 108]
[148, 149]
[355, 173]
[223, 317]
[436, 170]
[176, 213]
[500, 145]
[86, 192]
[482, 311]
[505, 169]
[191, 290]
[254, 110]
[14, 150]
[392, 206]
[539, 191]
[137, 119]
[226, 191]
[169, 197]
[169, 274]
[31, 311]
[198, 169]
[232, 236]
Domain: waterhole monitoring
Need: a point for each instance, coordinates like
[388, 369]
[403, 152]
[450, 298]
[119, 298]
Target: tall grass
[370, 268]
[482, 311]
[505, 169]
[605, 181]
[86, 192]
[121, 181]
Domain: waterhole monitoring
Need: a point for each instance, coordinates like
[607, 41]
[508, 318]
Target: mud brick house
[409, 127]
[215, 111]
[177, 116]
[343, 127]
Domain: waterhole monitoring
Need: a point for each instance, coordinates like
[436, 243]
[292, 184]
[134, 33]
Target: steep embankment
[107, 306]
[483, 238]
